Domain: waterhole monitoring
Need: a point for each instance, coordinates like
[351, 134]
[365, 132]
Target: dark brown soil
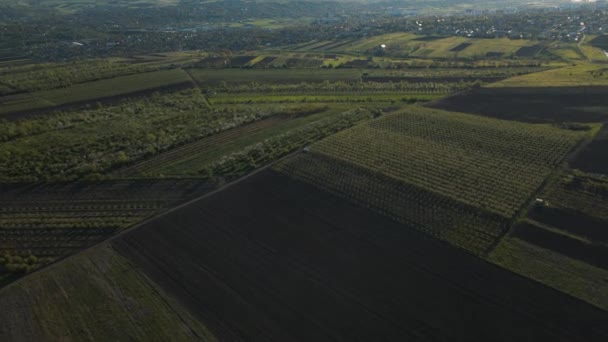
[594, 254]
[594, 158]
[460, 47]
[573, 223]
[273, 259]
[537, 105]
[428, 38]
[600, 41]
[265, 62]
[529, 51]
[28, 114]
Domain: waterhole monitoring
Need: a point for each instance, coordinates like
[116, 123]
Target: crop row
[49, 76]
[438, 155]
[173, 155]
[438, 216]
[254, 156]
[341, 87]
[523, 142]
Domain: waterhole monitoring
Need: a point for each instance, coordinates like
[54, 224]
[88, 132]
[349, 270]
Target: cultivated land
[272, 257]
[458, 177]
[533, 104]
[45, 222]
[97, 296]
[14, 106]
[479, 215]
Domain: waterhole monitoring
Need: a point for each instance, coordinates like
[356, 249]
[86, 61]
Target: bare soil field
[573, 222]
[273, 259]
[594, 157]
[600, 41]
[536, 105]
[529, 51]
[594, 254]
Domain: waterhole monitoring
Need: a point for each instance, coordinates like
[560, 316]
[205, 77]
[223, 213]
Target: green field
[461, 177]
[582, 74]
[345, 98]
[96, 296]
[91, 91]
[408, 44]
[491, 164]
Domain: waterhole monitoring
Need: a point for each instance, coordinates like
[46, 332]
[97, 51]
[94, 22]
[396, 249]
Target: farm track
[199, 146]
[274, 259]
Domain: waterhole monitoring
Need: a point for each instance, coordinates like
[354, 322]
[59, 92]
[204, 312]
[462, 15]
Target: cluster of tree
[239, 163]
[56, 75]
[14, 263]
[340, 86]
[100, 140]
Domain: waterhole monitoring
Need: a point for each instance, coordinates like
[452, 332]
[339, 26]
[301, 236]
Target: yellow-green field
[567, 51]
[417, 46]
[584, 74]
[593, 53]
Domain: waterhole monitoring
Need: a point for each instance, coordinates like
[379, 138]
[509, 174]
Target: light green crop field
[229, 98]
[416, 46]
[582, 74]
[594, 53]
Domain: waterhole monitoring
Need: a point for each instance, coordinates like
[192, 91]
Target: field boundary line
[144, 222]
[522, 213]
